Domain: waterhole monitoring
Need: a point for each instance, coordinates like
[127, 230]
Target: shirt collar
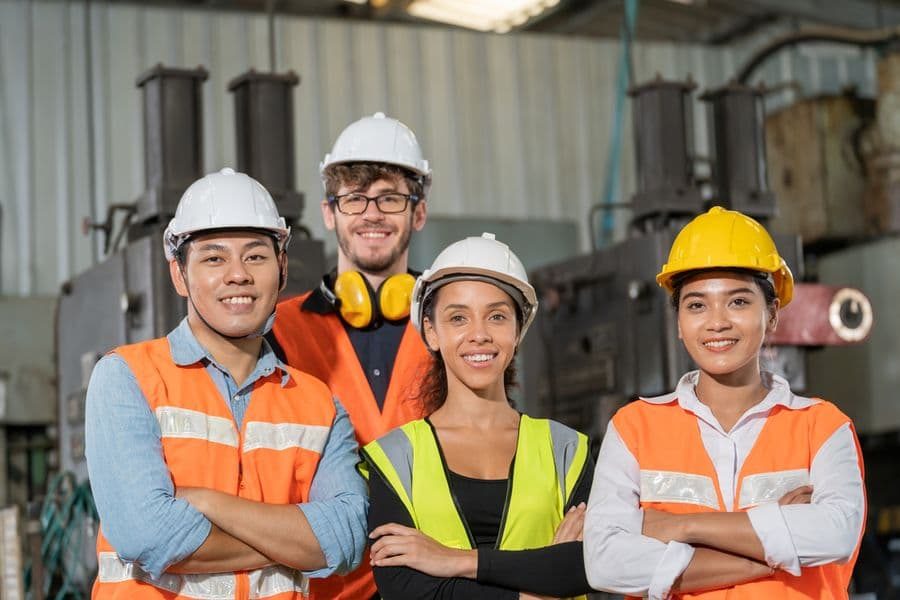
[187, 350]
[780, 394]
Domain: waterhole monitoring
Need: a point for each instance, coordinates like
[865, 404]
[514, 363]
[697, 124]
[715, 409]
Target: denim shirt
[133, 489]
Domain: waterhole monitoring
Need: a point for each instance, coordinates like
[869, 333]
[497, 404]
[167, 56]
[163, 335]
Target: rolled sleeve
[773, 533]
[674, 561]
[339, 501]
[131, 484]
[617, 558]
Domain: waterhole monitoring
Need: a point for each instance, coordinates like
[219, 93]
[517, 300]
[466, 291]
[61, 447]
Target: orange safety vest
[677, 476]
[318, 344]
[272, 459]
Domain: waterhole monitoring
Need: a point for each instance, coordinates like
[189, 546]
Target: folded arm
[221, 553]
[618, 558]
[320, 537]
[139, 513]
[787, 535]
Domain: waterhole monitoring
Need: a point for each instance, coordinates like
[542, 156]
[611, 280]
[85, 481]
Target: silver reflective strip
[682, 488]
[281, 436]
[770, 487]
[565, 445]
[397, 447]
[183, 423]
[277, 580]
[217, 586]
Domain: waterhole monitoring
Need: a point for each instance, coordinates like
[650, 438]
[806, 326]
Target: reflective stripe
[264, 583]
[770, 487]
[569, 454]
[177, 422]
[277, 579]
[682, 488]
[281, 436]
[111, 569]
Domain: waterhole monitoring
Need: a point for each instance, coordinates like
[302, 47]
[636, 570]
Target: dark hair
[433, 391]
[363, 174]
[181, 251]
[763, 280]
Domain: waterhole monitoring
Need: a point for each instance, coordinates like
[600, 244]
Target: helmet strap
[264, 329]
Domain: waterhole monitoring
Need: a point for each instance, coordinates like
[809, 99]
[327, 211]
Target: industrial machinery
[128, 297]
[606, 333]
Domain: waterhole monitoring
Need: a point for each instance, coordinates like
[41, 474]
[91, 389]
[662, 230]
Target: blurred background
[584, 133]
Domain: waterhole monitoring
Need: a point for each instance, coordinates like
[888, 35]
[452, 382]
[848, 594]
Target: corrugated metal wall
[515, 125]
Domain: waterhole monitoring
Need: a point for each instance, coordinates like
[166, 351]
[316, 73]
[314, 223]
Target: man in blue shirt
[148, 432]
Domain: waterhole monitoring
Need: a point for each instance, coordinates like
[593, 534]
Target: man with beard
[353, 331]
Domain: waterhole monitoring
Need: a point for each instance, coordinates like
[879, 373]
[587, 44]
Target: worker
[477, 500]
[217, 470]
[732, 486]
[353, 331]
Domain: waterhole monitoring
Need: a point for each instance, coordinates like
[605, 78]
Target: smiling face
[374, 243]
[723, 318]
[233, 279]
[474, 329]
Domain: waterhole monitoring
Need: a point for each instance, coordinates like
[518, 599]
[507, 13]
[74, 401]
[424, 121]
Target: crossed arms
[637, 552]
[195, 530]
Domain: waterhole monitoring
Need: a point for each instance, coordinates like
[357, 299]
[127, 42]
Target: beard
[376, 265]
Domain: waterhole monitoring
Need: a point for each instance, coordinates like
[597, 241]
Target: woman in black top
[472, 307]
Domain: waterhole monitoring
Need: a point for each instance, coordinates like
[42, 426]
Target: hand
[802, 495]
[399, 546]
[662, 526]
[571, 528]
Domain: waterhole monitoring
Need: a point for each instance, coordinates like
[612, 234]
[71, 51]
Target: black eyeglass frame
[335, 200]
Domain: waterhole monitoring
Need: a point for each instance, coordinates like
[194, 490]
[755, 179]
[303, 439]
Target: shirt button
[377, 372]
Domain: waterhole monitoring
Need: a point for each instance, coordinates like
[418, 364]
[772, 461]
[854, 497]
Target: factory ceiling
[705, 21]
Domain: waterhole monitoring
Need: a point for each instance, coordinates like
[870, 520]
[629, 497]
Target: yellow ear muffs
[355, 295]
[395, 296]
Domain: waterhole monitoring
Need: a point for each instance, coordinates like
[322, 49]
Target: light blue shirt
[133, 489]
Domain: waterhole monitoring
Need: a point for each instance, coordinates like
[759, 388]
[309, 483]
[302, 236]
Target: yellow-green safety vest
[549, 463]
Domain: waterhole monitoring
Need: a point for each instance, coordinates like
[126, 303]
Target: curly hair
[361, 175]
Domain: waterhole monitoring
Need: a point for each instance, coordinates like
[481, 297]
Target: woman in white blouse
[731, 486]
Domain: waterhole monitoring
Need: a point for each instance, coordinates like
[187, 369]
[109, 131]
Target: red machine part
[824, 315]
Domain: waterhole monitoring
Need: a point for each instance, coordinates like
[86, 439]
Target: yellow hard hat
[724, 238]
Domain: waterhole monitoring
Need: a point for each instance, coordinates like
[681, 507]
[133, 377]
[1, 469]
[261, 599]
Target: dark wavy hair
[433, 389]
[761, 279]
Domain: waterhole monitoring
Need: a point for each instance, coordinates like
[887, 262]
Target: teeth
[373, 234]
[238, 300]
[719, 343]
[479, 357]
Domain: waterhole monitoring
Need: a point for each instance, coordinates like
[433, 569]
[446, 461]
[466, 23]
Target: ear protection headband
[360, 306]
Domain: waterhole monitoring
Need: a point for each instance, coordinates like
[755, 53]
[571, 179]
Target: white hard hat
[224, 200]
[378, 139]
[478, 258]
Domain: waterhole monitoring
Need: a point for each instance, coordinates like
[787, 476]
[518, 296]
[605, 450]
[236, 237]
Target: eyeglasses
[388, 203]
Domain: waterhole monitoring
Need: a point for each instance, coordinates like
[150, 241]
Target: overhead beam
[846, 13]
[728, 31]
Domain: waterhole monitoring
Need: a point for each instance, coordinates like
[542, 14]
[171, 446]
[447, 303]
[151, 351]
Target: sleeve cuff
[321, 528]
[673, 563]
[194, 538]
[769, 524]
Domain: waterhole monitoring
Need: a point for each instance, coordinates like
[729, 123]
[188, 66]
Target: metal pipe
[836, 35]
[89, 120]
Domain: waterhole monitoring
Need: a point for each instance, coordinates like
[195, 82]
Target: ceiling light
[482, 15]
